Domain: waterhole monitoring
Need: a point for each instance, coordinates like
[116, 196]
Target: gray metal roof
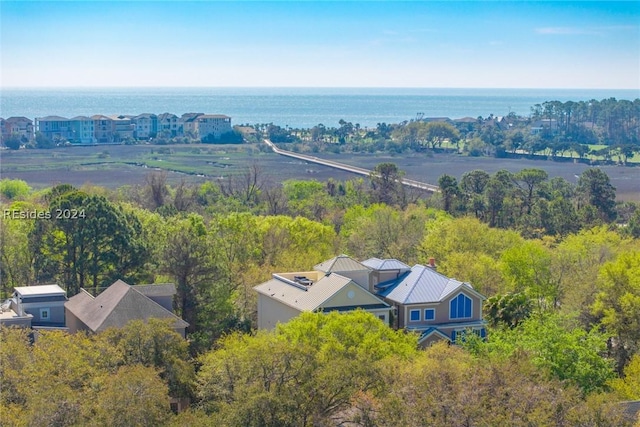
[116, 306]
[424, 285]
[341, 263]
[385, 264]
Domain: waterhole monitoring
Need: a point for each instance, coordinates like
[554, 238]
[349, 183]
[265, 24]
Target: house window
[414, 315]
[383, 317]
[460, 307]
[44, 314]
[429, 313]
[459, 335]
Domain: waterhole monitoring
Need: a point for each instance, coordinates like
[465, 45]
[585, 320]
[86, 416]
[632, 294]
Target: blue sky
[492, 44]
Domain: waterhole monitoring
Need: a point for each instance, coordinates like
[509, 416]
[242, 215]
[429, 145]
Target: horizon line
[319, 87]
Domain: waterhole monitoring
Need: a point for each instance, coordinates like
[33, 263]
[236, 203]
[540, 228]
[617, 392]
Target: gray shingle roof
[424, 285]
[385, 264]
[156, 290]
[341, 263]
[318, 294]
[308, 299]
[116, 306]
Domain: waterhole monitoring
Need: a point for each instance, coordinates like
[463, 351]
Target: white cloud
[584, 31]
[564, 31]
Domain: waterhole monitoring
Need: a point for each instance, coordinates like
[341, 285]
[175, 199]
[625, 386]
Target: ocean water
[293, 107]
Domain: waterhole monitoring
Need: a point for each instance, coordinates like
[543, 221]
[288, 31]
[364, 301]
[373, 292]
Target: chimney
[432, 263]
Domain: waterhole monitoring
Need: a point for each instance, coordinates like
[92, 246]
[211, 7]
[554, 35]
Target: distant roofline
[37, 290]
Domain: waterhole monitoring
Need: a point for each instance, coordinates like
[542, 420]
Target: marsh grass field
[114, 166]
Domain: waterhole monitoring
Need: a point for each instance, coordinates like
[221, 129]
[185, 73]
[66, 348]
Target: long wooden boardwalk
[353, 169]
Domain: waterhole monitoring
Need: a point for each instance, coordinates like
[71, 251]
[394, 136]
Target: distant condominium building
[83, 129]
[103, 128]
[168, 123]
[189, 124]
[145, 126]
[55, 128]
[20, 126]
[213, 126]
[123, 128]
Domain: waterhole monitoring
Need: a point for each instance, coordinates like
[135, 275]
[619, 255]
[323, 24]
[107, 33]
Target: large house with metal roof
[433, 304]
[414, 298]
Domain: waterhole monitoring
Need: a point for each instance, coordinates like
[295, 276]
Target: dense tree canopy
[557, 262]
[86, 241]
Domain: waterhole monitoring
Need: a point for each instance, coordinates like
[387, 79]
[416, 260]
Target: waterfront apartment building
[213, 125]
[55, 128]
[145, 126]
[83, 129]
[189, 123]
[168, 123]
[20, 126]
[101, 129]
[123, 128]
